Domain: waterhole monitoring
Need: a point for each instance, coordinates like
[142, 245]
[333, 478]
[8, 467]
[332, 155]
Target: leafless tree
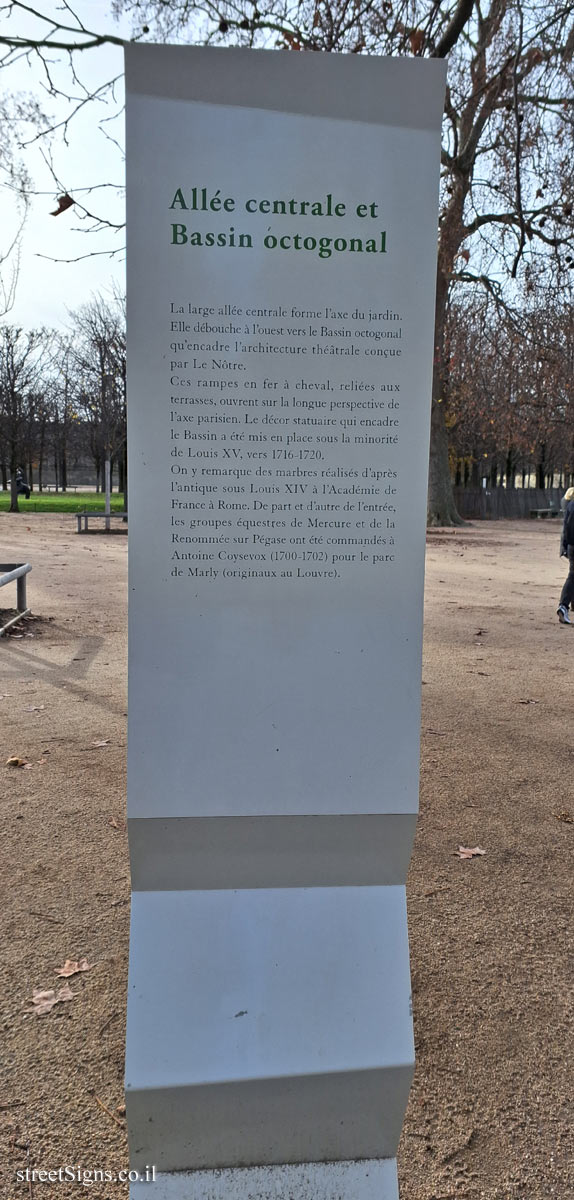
[16, 112]
[20, 379]
[99, 354]
[506, 219]
[512, 392]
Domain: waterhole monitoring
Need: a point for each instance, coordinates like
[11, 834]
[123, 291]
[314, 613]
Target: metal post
[15, 572]
[21, 593]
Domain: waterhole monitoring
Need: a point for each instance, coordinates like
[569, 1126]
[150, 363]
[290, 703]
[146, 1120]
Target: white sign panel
[282, 215]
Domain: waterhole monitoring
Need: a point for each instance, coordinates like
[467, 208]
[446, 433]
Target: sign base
[371, 1179]
[285, 1033]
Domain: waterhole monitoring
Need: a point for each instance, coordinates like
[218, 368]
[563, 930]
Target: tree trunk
[41, 458]
[441, 508]
[14, 507]
[510, 470]
[124, 460]
[4, 473]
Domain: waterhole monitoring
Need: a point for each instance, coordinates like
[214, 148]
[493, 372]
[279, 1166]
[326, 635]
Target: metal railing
[10, 572]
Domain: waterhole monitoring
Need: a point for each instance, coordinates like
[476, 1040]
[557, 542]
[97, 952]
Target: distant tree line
[63, 399]
[510, 404]
[508, 396]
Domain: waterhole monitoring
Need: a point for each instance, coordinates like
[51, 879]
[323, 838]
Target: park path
[491, 937]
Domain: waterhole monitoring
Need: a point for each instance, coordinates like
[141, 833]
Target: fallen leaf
[116, 823]
[43, 1002]
[465, 852]
[14, 761]
[105, 742]
[121, 1110]
[32, 707]
[565, 816]
[528, 701]
[73, 967]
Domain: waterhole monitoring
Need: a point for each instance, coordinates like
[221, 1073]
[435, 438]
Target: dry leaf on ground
[117, 823]
[565, 816]
[73, 966]
[106, 742]
[14, 761]
[465, 852]
[43, 1002]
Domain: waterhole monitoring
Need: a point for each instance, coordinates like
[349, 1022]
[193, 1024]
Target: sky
[93, 155]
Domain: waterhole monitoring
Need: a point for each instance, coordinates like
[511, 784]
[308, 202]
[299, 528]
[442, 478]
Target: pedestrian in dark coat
[567, 550]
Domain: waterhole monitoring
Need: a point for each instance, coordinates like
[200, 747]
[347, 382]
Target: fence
[15, 572]
[493, 504]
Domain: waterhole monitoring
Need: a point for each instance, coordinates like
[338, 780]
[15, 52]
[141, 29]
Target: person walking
[567, 551]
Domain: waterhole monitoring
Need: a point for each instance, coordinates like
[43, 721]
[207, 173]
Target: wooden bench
[52, 487]
[83, 519]
[544, 512]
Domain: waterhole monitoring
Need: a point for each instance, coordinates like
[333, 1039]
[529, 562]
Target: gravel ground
[490, 1114]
